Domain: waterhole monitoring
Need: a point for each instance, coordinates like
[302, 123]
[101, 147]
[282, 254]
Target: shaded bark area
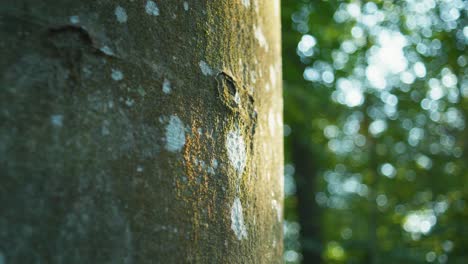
[140, 132]
[308, 211]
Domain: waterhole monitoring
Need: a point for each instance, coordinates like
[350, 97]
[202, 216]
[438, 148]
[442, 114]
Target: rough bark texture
[140, 131]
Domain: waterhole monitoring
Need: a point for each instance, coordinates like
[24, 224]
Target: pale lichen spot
[210, 170]
[121, 14]
[212, 167]
[117, 75]
[202, 164]
[141, 91]
[56, 120]
[214, 163]
[237, 220]
[246, 3]
[251, 90]
[253, 76]
[75, 19]
[205, 68]
[237, 99]
[277, 207]
[139, 168]
[151, 8]
[235, 147]
[106, 50]
[175, 134]
[260, 37]
[186, 6]
[166, 86]
[129, 102]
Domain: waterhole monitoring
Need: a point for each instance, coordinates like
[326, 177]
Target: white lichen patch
[175, 134]
[106, 50]
[129, 102]
[205, 68]
[260, 37]
[235, 147]
[277, 207]
[139, 168]
[214, 163]
[253, 76]
[75, 19]
[211, 168]
[166, 86]
[117, 75]
[151, 8]
[56, 120]
[237, 99]
[237, 220]
[246, 3]
[120, 14]
[186, 6]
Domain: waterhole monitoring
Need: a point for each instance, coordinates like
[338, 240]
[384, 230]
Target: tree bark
[140, 132]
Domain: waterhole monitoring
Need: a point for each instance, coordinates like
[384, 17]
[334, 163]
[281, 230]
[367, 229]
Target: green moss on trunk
[115, 124]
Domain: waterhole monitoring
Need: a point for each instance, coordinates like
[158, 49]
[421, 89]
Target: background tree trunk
[308, 211]
[140, 132]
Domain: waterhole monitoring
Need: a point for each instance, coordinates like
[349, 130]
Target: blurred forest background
[376, 104]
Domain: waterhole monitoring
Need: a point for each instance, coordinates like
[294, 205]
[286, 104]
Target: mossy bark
[140, 132]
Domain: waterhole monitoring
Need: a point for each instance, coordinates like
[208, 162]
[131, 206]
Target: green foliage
[377, 91]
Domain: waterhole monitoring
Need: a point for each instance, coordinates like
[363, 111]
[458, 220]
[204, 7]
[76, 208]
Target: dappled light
[377, 92]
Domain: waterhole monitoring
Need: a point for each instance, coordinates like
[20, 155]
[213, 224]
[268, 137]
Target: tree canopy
[377, 94]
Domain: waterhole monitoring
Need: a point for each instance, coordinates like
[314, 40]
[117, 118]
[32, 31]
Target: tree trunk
[140, 132]
[308, 211]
